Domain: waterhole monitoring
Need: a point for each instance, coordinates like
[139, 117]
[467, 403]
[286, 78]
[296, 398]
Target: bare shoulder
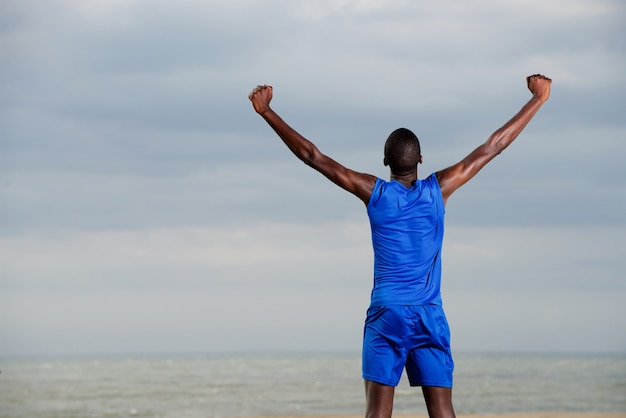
[448, 179]
[362, 185]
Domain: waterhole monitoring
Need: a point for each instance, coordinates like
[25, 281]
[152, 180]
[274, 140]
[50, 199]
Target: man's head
[402, 151]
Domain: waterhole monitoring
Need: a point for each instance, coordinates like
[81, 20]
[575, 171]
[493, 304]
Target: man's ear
[385, 162]
[420, 159]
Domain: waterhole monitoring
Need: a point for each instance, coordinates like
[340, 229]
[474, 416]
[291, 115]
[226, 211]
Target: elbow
[309, 156]
[496, 143]
[306, 158]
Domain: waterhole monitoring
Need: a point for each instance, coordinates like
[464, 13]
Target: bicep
[453, 177]
[359, 184]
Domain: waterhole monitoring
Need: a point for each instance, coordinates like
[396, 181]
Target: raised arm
[457, 175]
[359, 184]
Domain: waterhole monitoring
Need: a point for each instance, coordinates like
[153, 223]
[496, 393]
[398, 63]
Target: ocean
[278, 384]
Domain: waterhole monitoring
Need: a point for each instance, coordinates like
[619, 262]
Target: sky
[145, 207]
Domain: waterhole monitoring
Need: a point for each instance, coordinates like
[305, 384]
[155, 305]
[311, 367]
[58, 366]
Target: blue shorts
[415, 337]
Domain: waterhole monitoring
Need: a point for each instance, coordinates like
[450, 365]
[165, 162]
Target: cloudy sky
[145, 207]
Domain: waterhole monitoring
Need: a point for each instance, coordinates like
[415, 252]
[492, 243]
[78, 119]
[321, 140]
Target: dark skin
[379, 398]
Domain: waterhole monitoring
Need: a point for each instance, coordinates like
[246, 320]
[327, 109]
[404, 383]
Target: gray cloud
[133, 168]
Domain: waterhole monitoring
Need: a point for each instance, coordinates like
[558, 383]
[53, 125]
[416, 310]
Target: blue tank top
[407, 236]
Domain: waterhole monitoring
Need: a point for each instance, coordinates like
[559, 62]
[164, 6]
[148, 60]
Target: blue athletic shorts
[415, 337]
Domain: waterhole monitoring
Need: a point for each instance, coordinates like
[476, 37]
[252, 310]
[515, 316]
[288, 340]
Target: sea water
[256, 384]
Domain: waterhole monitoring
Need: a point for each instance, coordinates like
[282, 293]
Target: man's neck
[408, 179]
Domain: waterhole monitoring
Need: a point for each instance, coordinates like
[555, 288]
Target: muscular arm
[453, 177]
[359, 184]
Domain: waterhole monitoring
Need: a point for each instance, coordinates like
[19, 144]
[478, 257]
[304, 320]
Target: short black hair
[402, 151]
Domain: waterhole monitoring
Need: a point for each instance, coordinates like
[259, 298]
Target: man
[405, 326]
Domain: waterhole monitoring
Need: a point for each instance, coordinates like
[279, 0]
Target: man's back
[407, 234]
